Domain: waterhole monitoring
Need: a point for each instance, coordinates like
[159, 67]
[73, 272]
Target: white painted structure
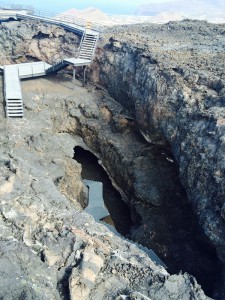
[13, 73]
[12, 88]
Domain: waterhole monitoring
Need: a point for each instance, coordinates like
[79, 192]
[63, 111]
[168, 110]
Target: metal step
[56, 66]
[85, 56]
[15, 115]
[20, 111]
[14, 108]
[86, 52]
[91, 48]
[15, 101]
[87, 47]
[88, 43]
[90, 35]
[89, 40]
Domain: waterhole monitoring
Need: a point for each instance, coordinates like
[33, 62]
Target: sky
[107, 6]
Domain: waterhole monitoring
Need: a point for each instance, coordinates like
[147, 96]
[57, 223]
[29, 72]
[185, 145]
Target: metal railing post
[74, 76]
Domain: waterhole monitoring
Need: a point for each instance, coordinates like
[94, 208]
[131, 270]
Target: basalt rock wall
[171, 78]
[23, 41]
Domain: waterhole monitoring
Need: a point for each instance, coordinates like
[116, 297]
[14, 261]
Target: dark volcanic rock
[23, 276]
[33, 41]
[171, 78]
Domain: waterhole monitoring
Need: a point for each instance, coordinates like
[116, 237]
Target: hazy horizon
[111, 7]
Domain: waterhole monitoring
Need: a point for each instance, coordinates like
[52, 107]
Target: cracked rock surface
[49, 248]
[171, 79]
[33, 41]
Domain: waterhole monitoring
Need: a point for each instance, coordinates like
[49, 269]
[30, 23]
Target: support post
[74, 76]
[84, 78]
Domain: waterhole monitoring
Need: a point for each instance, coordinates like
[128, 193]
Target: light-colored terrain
[96, 15]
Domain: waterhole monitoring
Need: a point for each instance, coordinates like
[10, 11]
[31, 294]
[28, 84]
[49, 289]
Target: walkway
[20, 12]
[96, 206]
[69, 23]
[12, 89]
[13, 73]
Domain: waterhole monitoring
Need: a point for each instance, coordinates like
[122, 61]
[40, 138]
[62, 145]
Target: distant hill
[211, 10]
[90, 13]
[190, 8]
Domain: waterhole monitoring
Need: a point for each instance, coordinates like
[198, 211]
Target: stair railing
[81, 42]
[5, 5]
[50, 15]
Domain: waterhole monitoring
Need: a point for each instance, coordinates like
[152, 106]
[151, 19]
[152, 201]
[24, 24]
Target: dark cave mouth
[207, 274]
[120, 216]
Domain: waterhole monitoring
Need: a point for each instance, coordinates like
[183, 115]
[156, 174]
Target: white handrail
[52, 15]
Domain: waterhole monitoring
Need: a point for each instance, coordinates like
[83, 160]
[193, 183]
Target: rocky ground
[167, 89]
[49, 248]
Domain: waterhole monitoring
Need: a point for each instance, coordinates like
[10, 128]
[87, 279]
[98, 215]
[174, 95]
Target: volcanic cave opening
[206, 268]
[92, 170]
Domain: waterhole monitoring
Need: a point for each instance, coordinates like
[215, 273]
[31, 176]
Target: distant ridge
[90, 13]
[176, 10]
[189, 8]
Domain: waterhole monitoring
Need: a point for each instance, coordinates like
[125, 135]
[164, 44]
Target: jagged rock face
[171, 78]
[33, 41]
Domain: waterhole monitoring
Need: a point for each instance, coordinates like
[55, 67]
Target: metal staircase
[12, 88]
[14, 108]
[88, 46]
[12, 76]
[85, 56]
[57, 66]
